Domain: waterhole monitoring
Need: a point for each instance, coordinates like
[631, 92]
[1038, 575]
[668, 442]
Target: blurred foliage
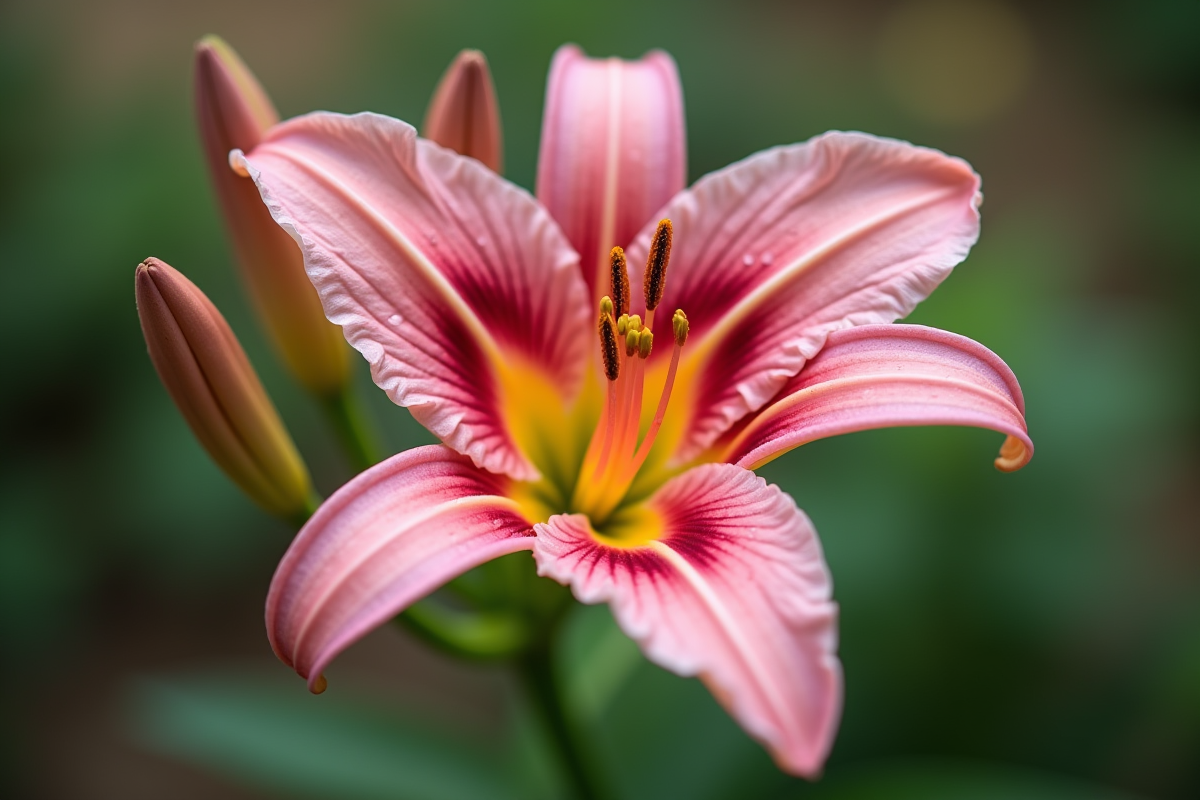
[1032, 635]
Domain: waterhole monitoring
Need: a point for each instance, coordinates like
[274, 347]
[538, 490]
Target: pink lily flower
[619, 447]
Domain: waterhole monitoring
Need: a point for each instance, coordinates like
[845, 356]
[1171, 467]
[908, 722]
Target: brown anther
[608, 347]
[619, 280]
[656, 265]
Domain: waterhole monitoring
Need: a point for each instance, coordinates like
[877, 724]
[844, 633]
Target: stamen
[656, 265]
[619, 280]
[610, 355]
[606, 477]
[632, 417]
[608, 343]
[645, 344]
[679, 326]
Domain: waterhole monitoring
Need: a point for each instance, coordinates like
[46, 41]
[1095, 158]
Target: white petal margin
[735, 591]
[380, 543]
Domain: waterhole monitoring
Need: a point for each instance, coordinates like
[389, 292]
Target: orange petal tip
[1013, 455]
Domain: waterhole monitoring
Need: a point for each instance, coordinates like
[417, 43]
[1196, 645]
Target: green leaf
[264, 730]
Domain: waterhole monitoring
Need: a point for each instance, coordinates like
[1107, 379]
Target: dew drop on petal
[394, 320]
[481, 241]
[748, 260]
[497, 522]
[768, 259]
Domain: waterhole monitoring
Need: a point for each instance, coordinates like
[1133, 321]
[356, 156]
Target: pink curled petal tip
[384, 540]
[882, 376]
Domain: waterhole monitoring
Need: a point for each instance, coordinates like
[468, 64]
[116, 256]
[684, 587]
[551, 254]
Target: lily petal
[464, 114]
[773, 253]
[613, 150]
[380, 543]
[881, 376]
[735, 590]
[442, 274]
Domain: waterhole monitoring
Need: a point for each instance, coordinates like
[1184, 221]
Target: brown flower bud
[207, 374]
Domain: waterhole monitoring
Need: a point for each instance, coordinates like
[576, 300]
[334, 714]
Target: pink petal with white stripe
[735, 590]
[881, 376]
[613, 150]
[381, 542]
[440, 272]
[774, 252]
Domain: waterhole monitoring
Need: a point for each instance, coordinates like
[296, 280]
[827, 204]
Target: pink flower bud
[233, 111]
[464, 114]
[207, 374]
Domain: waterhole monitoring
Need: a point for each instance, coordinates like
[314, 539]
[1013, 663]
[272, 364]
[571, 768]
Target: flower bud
[464, 114]
[207, 374]
[233, 111]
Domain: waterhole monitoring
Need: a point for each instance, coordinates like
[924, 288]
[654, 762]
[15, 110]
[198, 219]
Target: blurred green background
[1034, 635]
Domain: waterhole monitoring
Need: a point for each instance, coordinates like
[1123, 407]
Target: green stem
[473, 635]
[352, 429]
[310, 506]
[537, 673]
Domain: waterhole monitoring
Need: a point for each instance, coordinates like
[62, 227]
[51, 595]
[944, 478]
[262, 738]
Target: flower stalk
[544, 687]
[352, 428]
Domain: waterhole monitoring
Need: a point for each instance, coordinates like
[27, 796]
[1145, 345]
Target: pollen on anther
[679, 327]
[656, 265]
[632, 338]
[608, 347]
[645, 344]
[619, 280]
